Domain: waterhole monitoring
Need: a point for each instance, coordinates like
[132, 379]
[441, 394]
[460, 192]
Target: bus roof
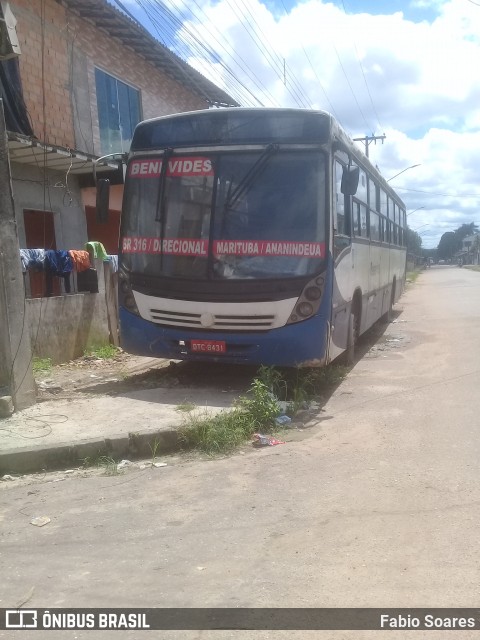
[241, 125]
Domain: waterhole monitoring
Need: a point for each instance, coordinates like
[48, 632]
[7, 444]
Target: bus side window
[356, 219]
[339, 213]
[363, 221]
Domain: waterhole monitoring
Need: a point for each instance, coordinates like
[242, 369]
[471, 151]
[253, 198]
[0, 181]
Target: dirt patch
[125, 372]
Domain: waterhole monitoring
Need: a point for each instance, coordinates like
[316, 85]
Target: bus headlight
[313, 293]
[304, 309]
[129, 302]
[309, 301]
[126, 298]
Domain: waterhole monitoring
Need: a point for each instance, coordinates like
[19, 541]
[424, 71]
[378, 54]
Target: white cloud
[422, 78]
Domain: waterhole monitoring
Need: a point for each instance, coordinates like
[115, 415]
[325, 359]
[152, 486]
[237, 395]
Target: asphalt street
[377, 505]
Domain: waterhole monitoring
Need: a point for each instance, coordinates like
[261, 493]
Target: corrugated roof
[131, 33]
[30, 151]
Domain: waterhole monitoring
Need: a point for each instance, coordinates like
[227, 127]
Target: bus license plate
[208, 346]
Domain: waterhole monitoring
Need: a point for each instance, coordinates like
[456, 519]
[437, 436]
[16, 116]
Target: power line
[364, 76]
[332, 108]
[187, 41]
[351, 89]
[448, 195]
[279, 66]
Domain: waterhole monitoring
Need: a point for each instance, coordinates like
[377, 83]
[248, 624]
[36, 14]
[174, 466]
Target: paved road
[378, 505]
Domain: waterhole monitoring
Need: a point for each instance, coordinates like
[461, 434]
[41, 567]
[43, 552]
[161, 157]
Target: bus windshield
[226, 215]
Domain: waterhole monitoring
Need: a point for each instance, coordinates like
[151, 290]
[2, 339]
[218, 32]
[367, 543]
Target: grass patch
[108, 464]
[299, 386]
[256, 411]
[104, 352]
[185, 407]
[472, 267]
[42, 365]
[227, 430]
[154, 446]
[413, 275]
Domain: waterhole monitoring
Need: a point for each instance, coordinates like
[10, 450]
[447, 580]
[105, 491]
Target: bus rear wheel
[387, 316]
[352, 338]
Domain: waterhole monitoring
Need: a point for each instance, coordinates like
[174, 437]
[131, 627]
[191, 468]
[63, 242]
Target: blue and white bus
[260, 236]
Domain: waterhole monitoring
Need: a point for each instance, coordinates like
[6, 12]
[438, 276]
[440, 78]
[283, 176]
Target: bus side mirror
[103, 200]
[350, 177]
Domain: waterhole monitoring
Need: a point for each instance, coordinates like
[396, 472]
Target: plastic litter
[124, 464]
[283, 420]
[7, 477]
[260, 440]
[40, 521]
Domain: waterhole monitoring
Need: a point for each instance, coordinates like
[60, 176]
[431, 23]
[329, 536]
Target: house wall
[63, 327]
[32, 192]
[46, 79]
[159, 94]
[63, 87]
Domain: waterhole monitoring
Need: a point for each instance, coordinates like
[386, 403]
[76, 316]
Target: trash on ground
[283, 420]
[260, 440]
[40, 521]
[7, 477]
[124, 464]
[159, 464]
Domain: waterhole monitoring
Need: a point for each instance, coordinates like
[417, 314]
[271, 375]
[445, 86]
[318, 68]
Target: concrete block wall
[159, 94]
[46, 79]
[63, 327]
[72, 48]
[30, 192]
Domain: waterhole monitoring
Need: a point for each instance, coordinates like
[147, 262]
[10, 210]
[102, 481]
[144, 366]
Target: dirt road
[379, 505]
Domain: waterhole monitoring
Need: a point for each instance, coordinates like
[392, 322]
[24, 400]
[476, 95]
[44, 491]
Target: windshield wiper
[253, 173]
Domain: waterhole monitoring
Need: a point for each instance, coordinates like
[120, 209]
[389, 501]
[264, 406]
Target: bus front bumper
[299, 344]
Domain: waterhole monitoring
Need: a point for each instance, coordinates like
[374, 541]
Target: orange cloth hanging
[80, 259]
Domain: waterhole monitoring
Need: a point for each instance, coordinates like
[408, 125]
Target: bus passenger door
[343, 262]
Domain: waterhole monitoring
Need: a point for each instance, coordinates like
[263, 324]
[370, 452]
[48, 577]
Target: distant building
[470, 251]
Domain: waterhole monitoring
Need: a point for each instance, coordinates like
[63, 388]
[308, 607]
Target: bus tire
[388, 315]
[352, 338]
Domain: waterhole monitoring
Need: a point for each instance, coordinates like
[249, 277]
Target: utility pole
[368, 139]
[16, 377]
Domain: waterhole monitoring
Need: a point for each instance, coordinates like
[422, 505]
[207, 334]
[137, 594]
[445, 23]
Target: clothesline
[61, 262]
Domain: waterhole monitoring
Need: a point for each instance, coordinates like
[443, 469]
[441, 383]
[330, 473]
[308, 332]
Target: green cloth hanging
[96, 250]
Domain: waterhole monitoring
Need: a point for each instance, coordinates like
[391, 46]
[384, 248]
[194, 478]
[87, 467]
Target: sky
[407, 70]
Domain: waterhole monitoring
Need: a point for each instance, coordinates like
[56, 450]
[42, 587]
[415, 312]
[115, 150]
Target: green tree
[414, 242]
[447, 246]
[451, 241]
[464, 231]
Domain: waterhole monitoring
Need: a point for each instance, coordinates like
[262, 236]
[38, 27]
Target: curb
[61, 456]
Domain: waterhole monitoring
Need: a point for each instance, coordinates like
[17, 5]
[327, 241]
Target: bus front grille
[223, 322]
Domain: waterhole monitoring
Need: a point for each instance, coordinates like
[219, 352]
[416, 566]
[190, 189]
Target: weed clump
[223, 432]
[41, 365]
[256, 412]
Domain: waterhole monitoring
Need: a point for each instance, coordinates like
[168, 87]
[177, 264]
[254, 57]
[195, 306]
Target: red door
[40, 234]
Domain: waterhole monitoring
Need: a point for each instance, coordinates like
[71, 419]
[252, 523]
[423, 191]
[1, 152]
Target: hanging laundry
[25, 259]
[113, 261]
[80, 259]
[57, 263]
[32, 259]
[96, 249]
